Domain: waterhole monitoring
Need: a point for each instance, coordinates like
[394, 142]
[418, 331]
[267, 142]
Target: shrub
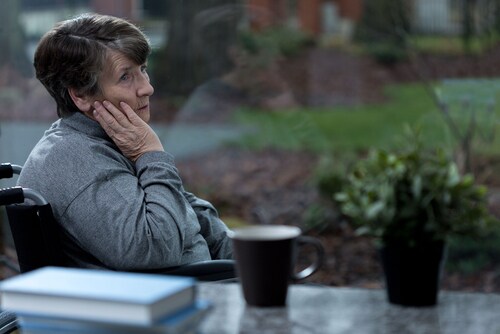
[413, 197]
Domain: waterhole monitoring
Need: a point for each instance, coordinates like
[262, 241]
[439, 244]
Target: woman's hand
[132, 135]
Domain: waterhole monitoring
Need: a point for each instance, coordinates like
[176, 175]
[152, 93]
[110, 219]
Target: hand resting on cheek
[129, 132]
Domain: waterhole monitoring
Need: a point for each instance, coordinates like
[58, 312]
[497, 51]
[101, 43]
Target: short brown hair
[73, 53]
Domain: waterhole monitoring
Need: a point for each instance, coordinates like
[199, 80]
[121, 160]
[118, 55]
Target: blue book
[184, 321]
[97, 295]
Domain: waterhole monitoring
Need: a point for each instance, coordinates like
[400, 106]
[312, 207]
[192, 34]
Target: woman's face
[125, 81]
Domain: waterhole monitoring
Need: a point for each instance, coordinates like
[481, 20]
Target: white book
[97, 295]
[185, 321]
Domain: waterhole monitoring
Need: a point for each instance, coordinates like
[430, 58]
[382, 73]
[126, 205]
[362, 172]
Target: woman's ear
[81, 101]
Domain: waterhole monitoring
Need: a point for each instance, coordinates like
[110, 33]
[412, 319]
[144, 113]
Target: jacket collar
[82, 123]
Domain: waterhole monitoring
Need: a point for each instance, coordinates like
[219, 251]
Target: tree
[12, 39]
[384, 27]
[199, 35]
[469, 6]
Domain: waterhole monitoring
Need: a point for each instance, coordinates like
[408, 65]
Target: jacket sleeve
[145, 220]
[213, 228]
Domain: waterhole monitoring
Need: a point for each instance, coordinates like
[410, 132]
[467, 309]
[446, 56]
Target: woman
[114, 190]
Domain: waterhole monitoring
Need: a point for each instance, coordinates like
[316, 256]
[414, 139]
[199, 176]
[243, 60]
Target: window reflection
[267, 103]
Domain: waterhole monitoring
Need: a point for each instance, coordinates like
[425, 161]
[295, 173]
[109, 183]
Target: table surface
[320, 309]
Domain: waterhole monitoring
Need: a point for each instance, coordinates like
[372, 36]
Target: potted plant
[411, 202]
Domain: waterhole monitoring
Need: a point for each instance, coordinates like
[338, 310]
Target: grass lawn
[451, 44]
[354, 129]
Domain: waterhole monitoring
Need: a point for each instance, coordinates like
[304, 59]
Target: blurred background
[267, 103]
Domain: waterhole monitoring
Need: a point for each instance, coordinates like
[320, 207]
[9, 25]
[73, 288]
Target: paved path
[183, 140]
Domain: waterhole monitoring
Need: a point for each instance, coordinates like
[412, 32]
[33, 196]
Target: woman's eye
[124, 77]
[144, 68]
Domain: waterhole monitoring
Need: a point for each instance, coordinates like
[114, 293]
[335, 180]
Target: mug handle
[320, 254]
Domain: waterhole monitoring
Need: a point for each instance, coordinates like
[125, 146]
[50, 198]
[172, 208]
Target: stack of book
[66, 300]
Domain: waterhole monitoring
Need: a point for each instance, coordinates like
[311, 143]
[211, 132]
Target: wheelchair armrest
[12, 195]
[7, 170]
[212, 270]
[17, 195]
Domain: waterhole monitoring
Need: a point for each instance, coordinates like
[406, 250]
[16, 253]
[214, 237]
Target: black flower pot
[412, 274]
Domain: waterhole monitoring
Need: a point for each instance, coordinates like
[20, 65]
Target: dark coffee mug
[265, 261]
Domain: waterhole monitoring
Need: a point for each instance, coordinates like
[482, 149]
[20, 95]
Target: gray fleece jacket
[115, 213]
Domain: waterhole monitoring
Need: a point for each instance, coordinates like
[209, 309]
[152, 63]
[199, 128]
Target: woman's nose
[145, 88]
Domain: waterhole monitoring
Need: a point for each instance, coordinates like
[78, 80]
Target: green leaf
[374, 210]
[417, 186]
[453, 175]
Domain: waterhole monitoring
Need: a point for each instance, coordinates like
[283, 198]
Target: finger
[107, 122]
[103, 111]
[130, 113]
[117, 114]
